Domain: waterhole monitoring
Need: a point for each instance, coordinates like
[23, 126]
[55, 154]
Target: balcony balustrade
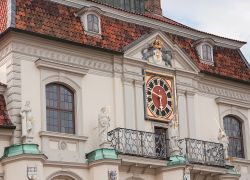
[152, 145]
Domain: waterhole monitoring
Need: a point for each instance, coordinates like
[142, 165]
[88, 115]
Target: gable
[143, 50]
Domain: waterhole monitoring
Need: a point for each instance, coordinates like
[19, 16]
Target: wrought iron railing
[202, 152]
[152, 145]
[138, 143]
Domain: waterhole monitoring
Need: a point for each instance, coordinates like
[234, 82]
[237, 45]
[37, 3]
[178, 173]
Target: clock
[159, 97]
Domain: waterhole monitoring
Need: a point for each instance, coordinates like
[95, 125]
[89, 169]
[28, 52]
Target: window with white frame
[207, 52]
[93, 24]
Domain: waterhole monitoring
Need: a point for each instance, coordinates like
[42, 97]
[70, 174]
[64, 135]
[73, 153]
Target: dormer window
[204, 49]
[93, 23]
[207, 52]
[91, 20]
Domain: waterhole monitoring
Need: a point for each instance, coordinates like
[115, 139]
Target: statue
[112, 175]
[223, 139]
[104, 124]
[173, 132]
[187, 175]
[27, 123]
[156, 53]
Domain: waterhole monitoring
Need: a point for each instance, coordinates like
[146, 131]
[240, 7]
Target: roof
[59, 21]
[3, 15]
[5, 121]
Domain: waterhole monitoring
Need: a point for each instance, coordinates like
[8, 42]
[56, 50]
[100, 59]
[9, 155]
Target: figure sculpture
[104, 123]
[223, 139]
[174, 137]
[27, 123]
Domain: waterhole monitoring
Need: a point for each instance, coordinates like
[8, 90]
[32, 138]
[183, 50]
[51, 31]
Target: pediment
[157, 49]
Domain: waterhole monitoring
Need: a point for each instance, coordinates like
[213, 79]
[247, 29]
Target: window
[207, 52]
[93, 23]
[233, 128]
[60, 109]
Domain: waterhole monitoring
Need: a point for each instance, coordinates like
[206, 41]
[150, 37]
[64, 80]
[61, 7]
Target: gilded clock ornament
[159, 98]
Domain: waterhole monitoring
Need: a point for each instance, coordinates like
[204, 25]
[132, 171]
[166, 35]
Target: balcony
[156, 146]
[138, 143]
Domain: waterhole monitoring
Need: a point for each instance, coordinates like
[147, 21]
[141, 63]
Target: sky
[227, 18]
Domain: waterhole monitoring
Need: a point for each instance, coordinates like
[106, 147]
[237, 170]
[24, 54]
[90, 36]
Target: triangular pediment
[156, 48]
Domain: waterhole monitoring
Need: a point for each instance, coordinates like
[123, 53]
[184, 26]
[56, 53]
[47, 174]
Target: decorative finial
[157, 43]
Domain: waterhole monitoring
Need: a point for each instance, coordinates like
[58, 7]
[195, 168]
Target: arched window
[60, 108]
[207, 52]
[233, 128]
[93, 23]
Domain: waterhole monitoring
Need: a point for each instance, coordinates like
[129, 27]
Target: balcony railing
[138, 143]
[202, 152]
[152, 145]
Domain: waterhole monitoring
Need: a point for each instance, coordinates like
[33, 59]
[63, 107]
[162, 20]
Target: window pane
[93, 23]
[233, 130]
[59, 109]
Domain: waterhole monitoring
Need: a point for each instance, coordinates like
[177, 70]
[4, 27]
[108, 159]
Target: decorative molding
[62, 136]
[63, 58]
[53, 65]
[64, 173]
[225, 92]
[26, 157]
[152, 23]
[67, 164]
[143, 161]
[240, 103]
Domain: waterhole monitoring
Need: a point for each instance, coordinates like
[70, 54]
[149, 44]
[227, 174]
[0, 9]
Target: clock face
[159, 98]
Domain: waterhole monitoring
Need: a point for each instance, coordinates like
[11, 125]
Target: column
[191, 114]
[139, 105]
[182, 112]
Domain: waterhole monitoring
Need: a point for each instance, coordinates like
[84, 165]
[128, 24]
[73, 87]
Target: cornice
[229, 101]
[62, 135]
[105, 162]
[65, 164]
[14, 159]
[49, 64]
[152, 23]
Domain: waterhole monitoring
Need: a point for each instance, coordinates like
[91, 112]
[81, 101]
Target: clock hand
[161, 107]
[156, 94]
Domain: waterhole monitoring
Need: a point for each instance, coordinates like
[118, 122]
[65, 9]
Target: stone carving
[32, 173]
[187, 175]
[155, 53]
[173, 132]
[112, 174]
[63, 145]
[27, 123]
[104, 124]
[223, 139]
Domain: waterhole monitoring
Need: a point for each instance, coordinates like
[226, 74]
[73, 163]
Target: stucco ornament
[27, 123]
[104, 124]
[223, 139]
[156, 53]
[32, 173]
[112, 175]
[173, 132]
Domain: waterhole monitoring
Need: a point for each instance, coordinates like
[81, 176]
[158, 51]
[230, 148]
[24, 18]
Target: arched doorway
[63, 178]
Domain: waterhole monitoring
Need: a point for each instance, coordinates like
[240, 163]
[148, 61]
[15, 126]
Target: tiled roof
[4, 117]
[57, 20]
[3, 15]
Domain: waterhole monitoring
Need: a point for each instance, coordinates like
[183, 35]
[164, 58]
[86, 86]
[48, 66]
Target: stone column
[191, 114]
[129, 103]
[182, 111]
[139, 105]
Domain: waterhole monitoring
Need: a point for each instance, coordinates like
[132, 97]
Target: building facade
[113, 90]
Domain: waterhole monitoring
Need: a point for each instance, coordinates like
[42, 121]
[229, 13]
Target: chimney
[153, 7]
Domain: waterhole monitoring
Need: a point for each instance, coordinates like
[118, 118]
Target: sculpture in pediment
[157, 54]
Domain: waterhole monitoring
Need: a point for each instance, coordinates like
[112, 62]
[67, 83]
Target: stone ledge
[100, 154]
[18, 149]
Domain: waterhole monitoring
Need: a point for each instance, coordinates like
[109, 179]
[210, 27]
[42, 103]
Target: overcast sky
[228, 18]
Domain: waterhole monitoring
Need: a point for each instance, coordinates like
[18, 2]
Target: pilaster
[139, 105]
[191, 114]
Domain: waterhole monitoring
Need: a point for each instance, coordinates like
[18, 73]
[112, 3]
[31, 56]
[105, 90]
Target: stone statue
[112, 175]
[173, 132]
[187, 175]
[223, 139]
[27, 123]
[104, 123]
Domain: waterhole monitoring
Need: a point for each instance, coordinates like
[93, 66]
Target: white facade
[99, 79]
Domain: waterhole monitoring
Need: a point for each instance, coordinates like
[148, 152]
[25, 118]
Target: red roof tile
[4, 117]
[57, 20]
[3, 15]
